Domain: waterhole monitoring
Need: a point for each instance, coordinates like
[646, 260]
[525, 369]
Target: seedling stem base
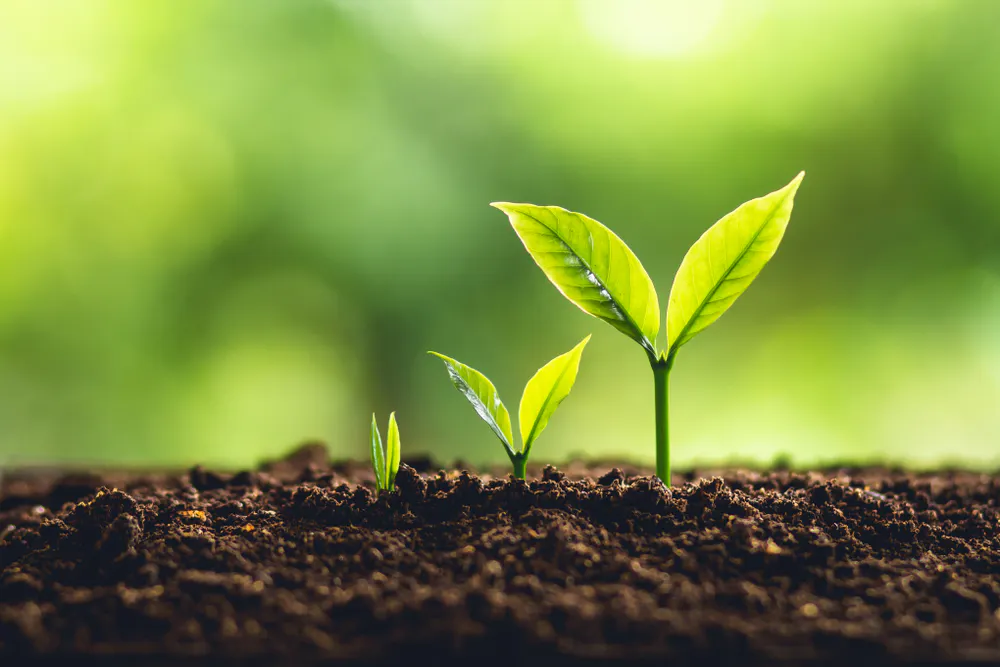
[661, 382]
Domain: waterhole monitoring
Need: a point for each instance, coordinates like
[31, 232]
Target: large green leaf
[545, 391]
[484, 398]
[378, 456]
[392, 452]
[724, 261]
[591, 266]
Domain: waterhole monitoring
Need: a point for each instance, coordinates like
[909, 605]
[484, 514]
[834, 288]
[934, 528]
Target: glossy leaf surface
[724, 261]
[545, 391]
[590, 266]
[392, 450]
[483, 396]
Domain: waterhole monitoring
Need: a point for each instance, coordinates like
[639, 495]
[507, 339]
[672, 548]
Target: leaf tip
[448, 361]
[794, 185]
[512, 208]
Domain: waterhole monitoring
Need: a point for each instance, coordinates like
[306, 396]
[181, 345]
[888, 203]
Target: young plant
[597, 272]
[385, 462]
[542, 395]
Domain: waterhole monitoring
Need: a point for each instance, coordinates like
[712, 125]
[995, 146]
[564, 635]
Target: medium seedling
[596, 271]
[542, 395]
[385, 462]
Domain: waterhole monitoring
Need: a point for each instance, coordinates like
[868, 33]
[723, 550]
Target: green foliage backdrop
[226, 227]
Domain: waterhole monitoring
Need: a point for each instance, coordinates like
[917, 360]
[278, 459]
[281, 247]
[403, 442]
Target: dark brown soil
[300, 563]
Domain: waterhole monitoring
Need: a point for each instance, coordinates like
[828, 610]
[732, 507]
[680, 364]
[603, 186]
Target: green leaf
[545, 391]
[591, 266]
[724, 261]
[378, 457]
[484, 398]
[392, 453]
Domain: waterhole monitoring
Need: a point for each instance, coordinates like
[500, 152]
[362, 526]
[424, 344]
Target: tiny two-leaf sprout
[597, 272]
[542, 395]
[385, 462]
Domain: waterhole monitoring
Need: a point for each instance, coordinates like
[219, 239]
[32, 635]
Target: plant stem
[661, 381]
[520, 463]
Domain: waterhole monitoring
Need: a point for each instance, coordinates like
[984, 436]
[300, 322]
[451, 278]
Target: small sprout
[598, 273]
[385, 462]
[542, 395]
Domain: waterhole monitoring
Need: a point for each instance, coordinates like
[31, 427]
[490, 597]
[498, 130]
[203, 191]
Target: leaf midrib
[646, 343]
[672, 350]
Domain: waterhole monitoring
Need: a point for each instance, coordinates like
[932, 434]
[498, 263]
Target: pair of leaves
[385, 462]
[542, 395]
[595, 270]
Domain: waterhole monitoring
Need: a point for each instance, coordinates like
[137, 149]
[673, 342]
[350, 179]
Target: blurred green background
[228, 227]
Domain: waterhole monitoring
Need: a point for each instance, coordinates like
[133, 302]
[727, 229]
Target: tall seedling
[596, 271]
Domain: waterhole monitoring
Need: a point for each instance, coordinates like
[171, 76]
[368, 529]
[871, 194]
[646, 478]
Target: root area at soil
[302, 562]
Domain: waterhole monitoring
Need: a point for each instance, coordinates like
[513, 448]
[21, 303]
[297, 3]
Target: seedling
[385, 462]
[542, 395]
[595, 270]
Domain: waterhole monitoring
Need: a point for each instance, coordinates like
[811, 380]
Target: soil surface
[301, 563]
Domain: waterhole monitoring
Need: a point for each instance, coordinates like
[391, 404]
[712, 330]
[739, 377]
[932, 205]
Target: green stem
[520, 463]
[661, 381]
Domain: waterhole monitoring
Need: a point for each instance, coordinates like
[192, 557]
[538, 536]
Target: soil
[300, 563]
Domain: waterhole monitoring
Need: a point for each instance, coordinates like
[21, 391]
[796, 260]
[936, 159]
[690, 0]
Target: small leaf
[724, 261]
[378, 457]
[591, 266]
[484, 398]
[392, 449]
[545, 391]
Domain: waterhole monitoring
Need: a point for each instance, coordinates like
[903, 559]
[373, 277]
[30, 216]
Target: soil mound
[300, 562]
